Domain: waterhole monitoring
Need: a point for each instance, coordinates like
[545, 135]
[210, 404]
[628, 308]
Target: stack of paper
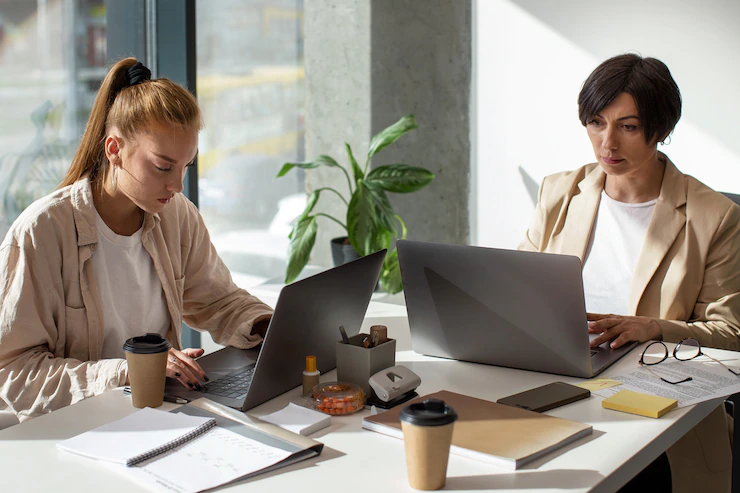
[298, 419]
[708, 381]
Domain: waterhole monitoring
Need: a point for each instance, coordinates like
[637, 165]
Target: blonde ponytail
[131, 109]
[90, 154]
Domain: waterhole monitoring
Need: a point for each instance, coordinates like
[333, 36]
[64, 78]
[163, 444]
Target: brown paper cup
[147, 366]
[146, 374]
[427, 453]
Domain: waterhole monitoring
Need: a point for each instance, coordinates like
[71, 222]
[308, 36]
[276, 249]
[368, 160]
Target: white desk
[358, 460]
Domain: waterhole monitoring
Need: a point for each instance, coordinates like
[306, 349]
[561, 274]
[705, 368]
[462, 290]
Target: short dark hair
[647, 80]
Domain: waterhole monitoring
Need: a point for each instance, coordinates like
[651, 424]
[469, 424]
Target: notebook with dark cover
[506, 436]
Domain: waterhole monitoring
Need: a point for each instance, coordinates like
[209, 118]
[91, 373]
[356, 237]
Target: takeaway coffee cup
[427, 436]
[147, 364]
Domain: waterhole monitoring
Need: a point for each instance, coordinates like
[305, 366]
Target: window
[52, 59]
[250, 87]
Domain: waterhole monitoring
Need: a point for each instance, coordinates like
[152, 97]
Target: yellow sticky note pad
[651, 406]
[598, 384]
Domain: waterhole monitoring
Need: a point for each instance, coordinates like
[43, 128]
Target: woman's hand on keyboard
[621, 329]
[182, 367]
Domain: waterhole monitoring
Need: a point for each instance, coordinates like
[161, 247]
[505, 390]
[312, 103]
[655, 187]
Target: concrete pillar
[367, 64]
[421, 64]
[337, 60]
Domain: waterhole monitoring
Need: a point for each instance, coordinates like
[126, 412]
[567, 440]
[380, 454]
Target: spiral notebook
[139, 436]
[220, 443]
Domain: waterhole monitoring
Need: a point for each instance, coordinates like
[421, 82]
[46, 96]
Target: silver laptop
[306, 322]
[500, 307]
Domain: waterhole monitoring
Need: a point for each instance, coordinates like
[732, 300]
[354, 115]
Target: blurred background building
[250, 85]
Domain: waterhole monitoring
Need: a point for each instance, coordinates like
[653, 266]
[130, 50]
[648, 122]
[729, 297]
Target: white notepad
[237, 447]
[139, 436]
[298, 419]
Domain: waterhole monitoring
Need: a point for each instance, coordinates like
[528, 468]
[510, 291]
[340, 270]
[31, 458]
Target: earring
[114, 178]
[664, 143]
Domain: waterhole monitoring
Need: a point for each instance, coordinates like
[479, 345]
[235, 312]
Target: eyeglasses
[685, 350]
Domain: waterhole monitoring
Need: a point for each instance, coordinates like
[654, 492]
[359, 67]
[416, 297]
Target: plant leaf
[361, 220]
[383, 238]
[322, 160]
[399, 178]
[302, 240]
[313, 197]
[289, 166]
[391, 134]
[390, 276]
[403, 227]
[356, 170]
[384, 213]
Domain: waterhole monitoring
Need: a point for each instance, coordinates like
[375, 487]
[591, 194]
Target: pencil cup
[147, 365]
[427, 435]
[356, 363]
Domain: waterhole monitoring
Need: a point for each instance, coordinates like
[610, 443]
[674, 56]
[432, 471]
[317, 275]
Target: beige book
[502, 435]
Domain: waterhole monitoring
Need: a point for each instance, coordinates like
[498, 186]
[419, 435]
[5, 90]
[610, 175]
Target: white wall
[531, 59]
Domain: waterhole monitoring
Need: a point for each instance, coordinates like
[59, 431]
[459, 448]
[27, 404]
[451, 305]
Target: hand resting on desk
[621, 329]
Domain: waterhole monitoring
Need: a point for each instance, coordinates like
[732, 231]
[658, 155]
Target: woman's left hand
[621, 329]
[181, 365]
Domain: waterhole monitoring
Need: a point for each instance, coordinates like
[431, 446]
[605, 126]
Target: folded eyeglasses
[686, 350]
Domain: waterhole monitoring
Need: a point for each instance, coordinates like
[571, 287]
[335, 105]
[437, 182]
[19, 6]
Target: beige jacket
[51, 318]
[687, 277]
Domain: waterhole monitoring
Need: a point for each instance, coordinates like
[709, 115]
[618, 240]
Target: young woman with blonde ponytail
[117, 251]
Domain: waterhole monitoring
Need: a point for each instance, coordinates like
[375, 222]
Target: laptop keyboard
[234, 385]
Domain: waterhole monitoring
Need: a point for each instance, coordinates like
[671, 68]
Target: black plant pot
[342, 252]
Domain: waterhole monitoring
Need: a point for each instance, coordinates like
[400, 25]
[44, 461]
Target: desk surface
[364, 461]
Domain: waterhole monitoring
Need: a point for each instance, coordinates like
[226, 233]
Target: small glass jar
[337, 398]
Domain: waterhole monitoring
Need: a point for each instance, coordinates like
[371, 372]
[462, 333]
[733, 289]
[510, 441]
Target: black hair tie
[138, 74]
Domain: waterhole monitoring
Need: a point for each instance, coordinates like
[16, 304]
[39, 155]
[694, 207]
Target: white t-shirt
[130, 291]
[612, 252]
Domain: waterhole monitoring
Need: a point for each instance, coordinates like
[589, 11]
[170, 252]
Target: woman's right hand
[620, 329]
[182, 366]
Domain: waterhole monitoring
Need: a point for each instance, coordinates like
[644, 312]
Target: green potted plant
[371, 223]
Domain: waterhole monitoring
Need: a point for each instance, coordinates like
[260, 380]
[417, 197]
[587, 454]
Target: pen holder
[356, 363]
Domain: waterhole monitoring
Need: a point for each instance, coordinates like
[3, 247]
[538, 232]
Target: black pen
[167, 397]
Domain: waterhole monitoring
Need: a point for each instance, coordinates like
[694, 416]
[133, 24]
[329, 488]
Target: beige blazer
[687, 277]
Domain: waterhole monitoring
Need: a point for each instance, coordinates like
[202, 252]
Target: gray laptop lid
[501, 307]
[306, 322]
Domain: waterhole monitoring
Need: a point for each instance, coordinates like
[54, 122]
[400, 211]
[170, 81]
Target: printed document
[710, 381]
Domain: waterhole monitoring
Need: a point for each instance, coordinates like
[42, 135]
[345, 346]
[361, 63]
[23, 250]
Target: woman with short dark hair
[650, 84]
[660, 250]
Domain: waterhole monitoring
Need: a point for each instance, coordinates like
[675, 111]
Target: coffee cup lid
[147, 344]
[431, 412]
